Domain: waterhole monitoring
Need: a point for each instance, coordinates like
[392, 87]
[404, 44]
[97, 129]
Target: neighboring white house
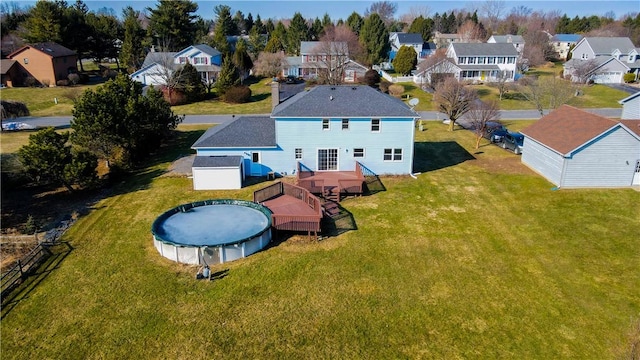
[399, 39]
[561, 43]
[612, 56]
[317, 56]
[483, 61]
[574, 148]
[158, 66]
[631, 107]
[516, 40]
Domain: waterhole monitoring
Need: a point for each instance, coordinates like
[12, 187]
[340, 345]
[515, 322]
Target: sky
[342, 9]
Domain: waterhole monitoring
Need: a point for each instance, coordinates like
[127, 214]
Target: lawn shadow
[59, 252]
[340, 223]
[430, 156]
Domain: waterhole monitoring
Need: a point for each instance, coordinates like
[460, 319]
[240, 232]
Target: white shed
[217, 172]
[574, 148]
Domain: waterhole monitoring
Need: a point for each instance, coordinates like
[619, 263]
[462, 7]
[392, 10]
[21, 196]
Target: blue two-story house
[327, 129]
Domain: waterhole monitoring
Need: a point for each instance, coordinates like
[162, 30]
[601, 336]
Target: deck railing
[310, 223]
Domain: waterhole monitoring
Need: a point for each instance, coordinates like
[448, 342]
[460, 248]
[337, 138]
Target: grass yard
[260, 103]
[476, 258]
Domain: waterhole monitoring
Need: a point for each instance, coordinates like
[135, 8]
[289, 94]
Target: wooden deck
[331, 184]
[293, 208]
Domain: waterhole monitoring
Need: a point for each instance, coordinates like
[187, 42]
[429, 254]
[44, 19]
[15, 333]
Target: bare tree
[547, 91]
[492, 11]
[335, 48]
[269, 64]
[385, 9]
[502, 83]
[414, 13]
[470, 32]
[580, 70]
[435, 68]
[479, 115]
[167, 73]
[454, 99]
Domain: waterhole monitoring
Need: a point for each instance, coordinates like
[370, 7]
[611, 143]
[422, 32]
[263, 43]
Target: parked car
[494, 131]
[513, 141]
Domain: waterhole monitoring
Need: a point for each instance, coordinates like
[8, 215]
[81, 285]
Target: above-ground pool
[212, 231]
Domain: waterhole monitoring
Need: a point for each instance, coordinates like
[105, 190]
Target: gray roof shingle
[243, 132]
[484, 49]
[343, 101]
[606, 45]
[216, 161]
[162, 58]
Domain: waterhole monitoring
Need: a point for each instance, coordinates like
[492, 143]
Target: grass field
[476, 258]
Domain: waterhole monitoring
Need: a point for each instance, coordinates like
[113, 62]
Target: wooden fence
[23, 268]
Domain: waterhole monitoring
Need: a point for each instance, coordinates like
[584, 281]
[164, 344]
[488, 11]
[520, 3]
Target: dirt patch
[181, 167]
[508, 165]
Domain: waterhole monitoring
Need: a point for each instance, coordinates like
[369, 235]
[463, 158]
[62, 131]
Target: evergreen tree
[173, 24]
[48, 158]
[257, 42]
[374, 38]
[132, 52]
[326, 20]
[249, 23]
[225, 26]
[297, 32]
[562, 27]
[190, 83]
[259, 26]
[355, 21]
[228, 76]
[406, 60]
[268, 26]
[277, 39]
[240, 24]
[76, 21]
[242, 60]
[106, 31]
[316, 30]
[422, 26]
[117, 123]
[45, 22]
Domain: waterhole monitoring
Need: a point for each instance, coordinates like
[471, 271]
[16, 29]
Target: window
[392, 155]
[375, 125]
[358, 152]
[183, 60]
[200, 61]
[472, 60]
[491, 60]
[461, 60]
[325, 124]
[482, 60]
[511, 60]
[345, 124]
[298, 152]
[26, 60]
[501, 60]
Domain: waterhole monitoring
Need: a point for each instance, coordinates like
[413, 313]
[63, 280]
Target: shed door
[636, 175]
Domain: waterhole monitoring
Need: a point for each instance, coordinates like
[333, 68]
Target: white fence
[395, 79]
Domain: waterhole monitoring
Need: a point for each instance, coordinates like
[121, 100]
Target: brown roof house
[9, 70]
[46, 63]
[573, 148]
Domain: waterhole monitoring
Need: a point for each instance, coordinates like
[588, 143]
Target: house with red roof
[573, 148]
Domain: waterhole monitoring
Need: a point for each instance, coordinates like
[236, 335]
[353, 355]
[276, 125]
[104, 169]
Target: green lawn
[476, 258]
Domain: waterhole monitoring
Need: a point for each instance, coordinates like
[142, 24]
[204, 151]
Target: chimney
[275, 94]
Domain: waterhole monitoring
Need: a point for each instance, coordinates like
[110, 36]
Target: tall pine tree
[132, 52]
[297, 32]
[172, 24]
[374, 37]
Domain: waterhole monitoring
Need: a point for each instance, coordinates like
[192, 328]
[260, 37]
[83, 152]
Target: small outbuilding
[574, 148]
[631, 107]
[217, 172]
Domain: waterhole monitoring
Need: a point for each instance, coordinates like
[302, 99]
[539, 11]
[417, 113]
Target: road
[64, 121]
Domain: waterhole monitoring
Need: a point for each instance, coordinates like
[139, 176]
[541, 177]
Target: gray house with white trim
[573, 148]
[631, 107]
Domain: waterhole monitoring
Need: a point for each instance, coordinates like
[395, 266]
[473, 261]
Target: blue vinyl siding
[543, 160]
[308, 135]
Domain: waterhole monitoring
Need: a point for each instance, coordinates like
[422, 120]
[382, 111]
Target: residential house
[479, 62]
[611, 58]
[327, 129]
[562, 43]
[158, 66]
[45, 63]
[631, 107]
[316, 57]
[574, 148]
[516, 40]
[443, 41]
[9, 72]
[399, 39]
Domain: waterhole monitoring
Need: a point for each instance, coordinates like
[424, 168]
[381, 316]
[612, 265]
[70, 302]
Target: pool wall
[211, 254]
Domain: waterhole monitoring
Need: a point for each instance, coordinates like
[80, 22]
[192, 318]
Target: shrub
[74, 79]
[62, 83]
[174, 96]
[629, 77]
[384, 86]
[371, 77]
[12, 109]
[72, 93]
[396, 90]
[238, 95]
[31, 82]
[46, 82]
